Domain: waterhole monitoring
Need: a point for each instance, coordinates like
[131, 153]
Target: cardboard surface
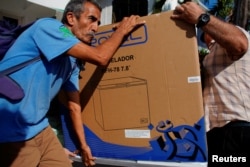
[147, 104]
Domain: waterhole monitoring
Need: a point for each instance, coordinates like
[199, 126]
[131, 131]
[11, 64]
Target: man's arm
[76, 117]
[227, 35]
[101, 54]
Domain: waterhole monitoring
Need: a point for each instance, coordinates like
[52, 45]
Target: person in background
[226, 91]
[26, 138]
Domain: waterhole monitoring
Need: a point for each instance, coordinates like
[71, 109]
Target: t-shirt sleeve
[244, 31]
[53, 38]
[72, 83]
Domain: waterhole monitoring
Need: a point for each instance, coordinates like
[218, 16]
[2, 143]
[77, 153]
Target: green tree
[225, 8]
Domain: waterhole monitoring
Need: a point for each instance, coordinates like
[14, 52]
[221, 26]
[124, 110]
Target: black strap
[238, 123]
[19, 66]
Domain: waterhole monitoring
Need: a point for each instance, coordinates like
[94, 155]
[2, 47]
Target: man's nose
[95, 27]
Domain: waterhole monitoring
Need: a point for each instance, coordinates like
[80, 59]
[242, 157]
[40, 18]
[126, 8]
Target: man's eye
[93, 18]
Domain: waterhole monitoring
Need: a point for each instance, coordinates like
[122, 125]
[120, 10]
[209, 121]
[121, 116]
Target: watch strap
[203, 20]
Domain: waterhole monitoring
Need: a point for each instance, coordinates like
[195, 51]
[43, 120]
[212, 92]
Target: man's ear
[70, 18]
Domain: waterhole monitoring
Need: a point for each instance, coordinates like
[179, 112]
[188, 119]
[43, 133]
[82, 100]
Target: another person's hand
[69, 154]
[189, 12]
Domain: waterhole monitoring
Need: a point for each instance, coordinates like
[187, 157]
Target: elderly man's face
[87, 25]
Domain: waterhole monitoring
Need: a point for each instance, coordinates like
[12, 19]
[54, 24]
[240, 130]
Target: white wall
[24, 11]
[106, 17]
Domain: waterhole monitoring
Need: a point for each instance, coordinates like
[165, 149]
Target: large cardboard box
[147, 103]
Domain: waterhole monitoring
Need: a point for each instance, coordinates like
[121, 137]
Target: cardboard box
[147, 104]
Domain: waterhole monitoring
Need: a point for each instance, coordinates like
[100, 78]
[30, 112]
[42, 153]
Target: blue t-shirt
[41, 81]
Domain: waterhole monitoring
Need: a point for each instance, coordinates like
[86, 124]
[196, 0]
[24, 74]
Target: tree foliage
[225, 8]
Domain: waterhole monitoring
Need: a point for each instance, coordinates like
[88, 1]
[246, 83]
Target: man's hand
[128, 24]
[87, 157]
[188, 12]
[69, 154]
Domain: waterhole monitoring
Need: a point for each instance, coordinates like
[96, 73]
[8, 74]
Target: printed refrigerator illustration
[131, 94]
[147, 103]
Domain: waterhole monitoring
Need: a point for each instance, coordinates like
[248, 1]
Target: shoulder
[240, 43]
[47, 22]
[244, 31]
[51, 25]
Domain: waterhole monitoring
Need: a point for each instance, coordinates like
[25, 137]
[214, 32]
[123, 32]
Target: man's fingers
[115, 26]
[133, 21]
[89, 163]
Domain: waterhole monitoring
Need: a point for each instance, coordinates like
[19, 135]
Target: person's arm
[101, 54]
[76, 117]
[227, 35]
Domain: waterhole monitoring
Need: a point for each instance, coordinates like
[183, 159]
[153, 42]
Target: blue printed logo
[135, 38]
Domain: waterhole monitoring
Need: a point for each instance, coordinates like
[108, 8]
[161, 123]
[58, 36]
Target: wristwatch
[203, 20]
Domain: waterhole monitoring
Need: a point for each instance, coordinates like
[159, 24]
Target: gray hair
[77, 8]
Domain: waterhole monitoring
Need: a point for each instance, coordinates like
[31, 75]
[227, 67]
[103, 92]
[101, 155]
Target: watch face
[205, 18]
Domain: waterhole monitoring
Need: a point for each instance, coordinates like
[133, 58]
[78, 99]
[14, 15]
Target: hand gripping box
[147, 103]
